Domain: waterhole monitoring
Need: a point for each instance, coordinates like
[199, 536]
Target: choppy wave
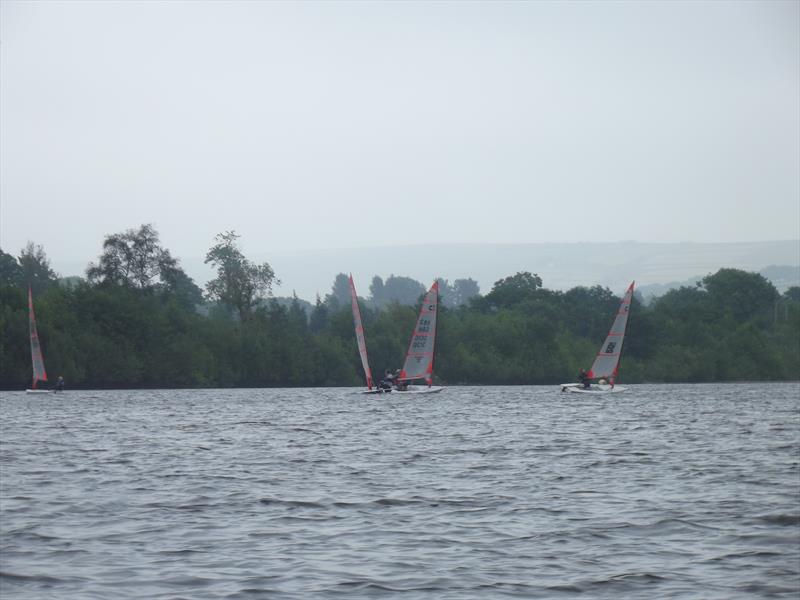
[661, 492]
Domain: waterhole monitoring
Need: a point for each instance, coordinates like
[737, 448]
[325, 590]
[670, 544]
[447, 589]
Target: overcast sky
[347, 124]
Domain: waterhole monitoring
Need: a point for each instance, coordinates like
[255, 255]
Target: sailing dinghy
[362, 343]
[604, 370]
[419, 358]
[37, 360]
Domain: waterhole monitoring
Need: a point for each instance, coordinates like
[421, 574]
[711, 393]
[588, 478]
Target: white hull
[412, 389]
[420, 389]
[595, 388]
[37, 391]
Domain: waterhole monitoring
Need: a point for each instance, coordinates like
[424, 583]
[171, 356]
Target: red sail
[362, 342]
[419, 358]
[607, 361]
[39, 374]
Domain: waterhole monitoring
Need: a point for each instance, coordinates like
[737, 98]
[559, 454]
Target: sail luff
[607, 361]
[37, 361]
[360, 339]
[419, 358]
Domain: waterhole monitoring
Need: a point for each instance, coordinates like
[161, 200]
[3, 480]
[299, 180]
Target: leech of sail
[607, 361]
[419, 358]
[39, 373]
[362, 342]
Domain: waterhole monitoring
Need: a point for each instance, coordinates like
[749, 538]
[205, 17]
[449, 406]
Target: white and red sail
[39, 373]
[419, 358]
[362, 342]
[607, 361]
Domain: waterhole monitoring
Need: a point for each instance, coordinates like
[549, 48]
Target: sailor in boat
[584, 378]
[60, 384]
[388, 380]
[399, 384]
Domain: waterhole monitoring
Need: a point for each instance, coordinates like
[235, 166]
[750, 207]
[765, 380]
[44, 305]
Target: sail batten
[607, 361]
[37, 360]
[360, 339]
[419, 358]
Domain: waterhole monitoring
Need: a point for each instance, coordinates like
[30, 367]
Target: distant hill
[561, 266]
[782, 277]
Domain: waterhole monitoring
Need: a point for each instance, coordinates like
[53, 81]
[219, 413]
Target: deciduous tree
[239, 283]
[513, 289]
[133, 258]
[35, 268]
[10, 271]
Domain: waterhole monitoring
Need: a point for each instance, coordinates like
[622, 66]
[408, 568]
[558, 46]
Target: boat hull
[595, 388]
[420, 389]
[412, 389]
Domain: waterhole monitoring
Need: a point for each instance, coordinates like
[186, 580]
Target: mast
[419, 358]
[606, 363]
[360, 339]
[37, 361]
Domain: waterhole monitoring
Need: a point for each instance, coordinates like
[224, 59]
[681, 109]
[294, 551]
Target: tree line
[138, 320]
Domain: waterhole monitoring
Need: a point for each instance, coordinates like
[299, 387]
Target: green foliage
[740, 294]
[133, 258]
[513, 290]
[30, 269]
[793, 294]
[239, 283]
[181, 287]
[10, 271]
[319, 317]
[459, 293]
[734, 327]
[402, 290]
[340, 292]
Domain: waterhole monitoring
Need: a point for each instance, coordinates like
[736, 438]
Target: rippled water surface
[688, 491]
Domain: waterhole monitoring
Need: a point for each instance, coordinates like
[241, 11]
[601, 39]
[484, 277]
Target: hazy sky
[341, 124]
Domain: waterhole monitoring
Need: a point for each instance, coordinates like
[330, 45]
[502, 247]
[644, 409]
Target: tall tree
[340, 292]
[182, 287]
[460, 292]
[740, 293]
[35, 268]
[446, 292]
[239, 283]
[465, 290]
[376, 290]
[403, 290]
[134, 258]
[10, 271]
[319, 317]
[513, 289]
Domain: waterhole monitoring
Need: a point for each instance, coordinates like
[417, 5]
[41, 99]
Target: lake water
[668, 491]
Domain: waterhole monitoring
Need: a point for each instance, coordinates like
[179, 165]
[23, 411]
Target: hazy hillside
[561, 266]
[782, 277]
